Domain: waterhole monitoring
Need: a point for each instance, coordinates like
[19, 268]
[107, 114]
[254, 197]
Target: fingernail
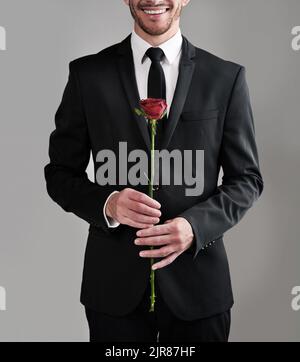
[141, 253]
[136, 241]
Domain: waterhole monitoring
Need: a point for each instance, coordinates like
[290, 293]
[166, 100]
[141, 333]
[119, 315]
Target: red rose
[154, 108]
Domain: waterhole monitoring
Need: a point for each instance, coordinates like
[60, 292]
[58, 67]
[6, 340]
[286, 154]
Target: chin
[155, 30]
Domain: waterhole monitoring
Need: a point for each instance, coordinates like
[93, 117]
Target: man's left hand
[174, 235]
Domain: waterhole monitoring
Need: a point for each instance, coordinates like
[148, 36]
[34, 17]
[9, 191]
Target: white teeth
[153, 12]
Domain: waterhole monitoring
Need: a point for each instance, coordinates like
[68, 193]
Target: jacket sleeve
[242, 182]
[69, 152]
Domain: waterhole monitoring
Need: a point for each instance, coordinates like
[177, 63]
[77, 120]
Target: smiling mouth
[149, 11]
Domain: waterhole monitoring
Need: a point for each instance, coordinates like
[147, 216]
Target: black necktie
[157, 85]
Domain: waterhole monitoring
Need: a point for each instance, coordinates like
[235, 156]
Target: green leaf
[138, 112]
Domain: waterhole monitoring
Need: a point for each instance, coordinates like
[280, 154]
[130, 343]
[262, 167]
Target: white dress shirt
[170, 64]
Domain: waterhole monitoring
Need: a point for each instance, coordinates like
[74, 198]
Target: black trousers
[158, 326]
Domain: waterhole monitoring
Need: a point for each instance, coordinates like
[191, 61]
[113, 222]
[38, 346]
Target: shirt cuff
[111, 223]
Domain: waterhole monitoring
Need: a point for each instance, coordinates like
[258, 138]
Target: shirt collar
[171, 47]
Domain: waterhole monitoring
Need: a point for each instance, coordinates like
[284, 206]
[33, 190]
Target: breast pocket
[199, 116]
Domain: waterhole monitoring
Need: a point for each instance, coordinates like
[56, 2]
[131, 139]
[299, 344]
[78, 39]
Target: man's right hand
[133, 208]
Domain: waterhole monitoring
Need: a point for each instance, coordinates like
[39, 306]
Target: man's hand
[133, 208]
[175, 235]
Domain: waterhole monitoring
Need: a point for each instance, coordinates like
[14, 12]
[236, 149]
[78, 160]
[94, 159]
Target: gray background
[37, 236]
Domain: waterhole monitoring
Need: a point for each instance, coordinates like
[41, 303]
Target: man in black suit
[209, 110]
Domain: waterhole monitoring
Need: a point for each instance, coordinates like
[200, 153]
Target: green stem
[153, 132]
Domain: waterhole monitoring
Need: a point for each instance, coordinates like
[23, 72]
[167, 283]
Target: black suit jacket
[211, 111]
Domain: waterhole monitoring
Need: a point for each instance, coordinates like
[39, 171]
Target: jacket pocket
[198, 116]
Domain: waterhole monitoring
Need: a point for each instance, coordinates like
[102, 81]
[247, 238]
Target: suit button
[156, 187]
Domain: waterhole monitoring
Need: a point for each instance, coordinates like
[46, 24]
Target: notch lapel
[186, 71]
[128, 79]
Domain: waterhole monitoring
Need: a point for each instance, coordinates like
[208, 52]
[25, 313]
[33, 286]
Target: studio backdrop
[39, 291]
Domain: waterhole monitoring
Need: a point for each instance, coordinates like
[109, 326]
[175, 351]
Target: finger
[134, 216]
[143, 209]
[154, 240]
[155, 230]
[157, 253]
[144, 199]
[166, 261]
[135, 224]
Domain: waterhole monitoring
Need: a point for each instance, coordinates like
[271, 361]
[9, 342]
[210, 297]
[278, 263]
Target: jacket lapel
[127, 74]
[186, 71]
